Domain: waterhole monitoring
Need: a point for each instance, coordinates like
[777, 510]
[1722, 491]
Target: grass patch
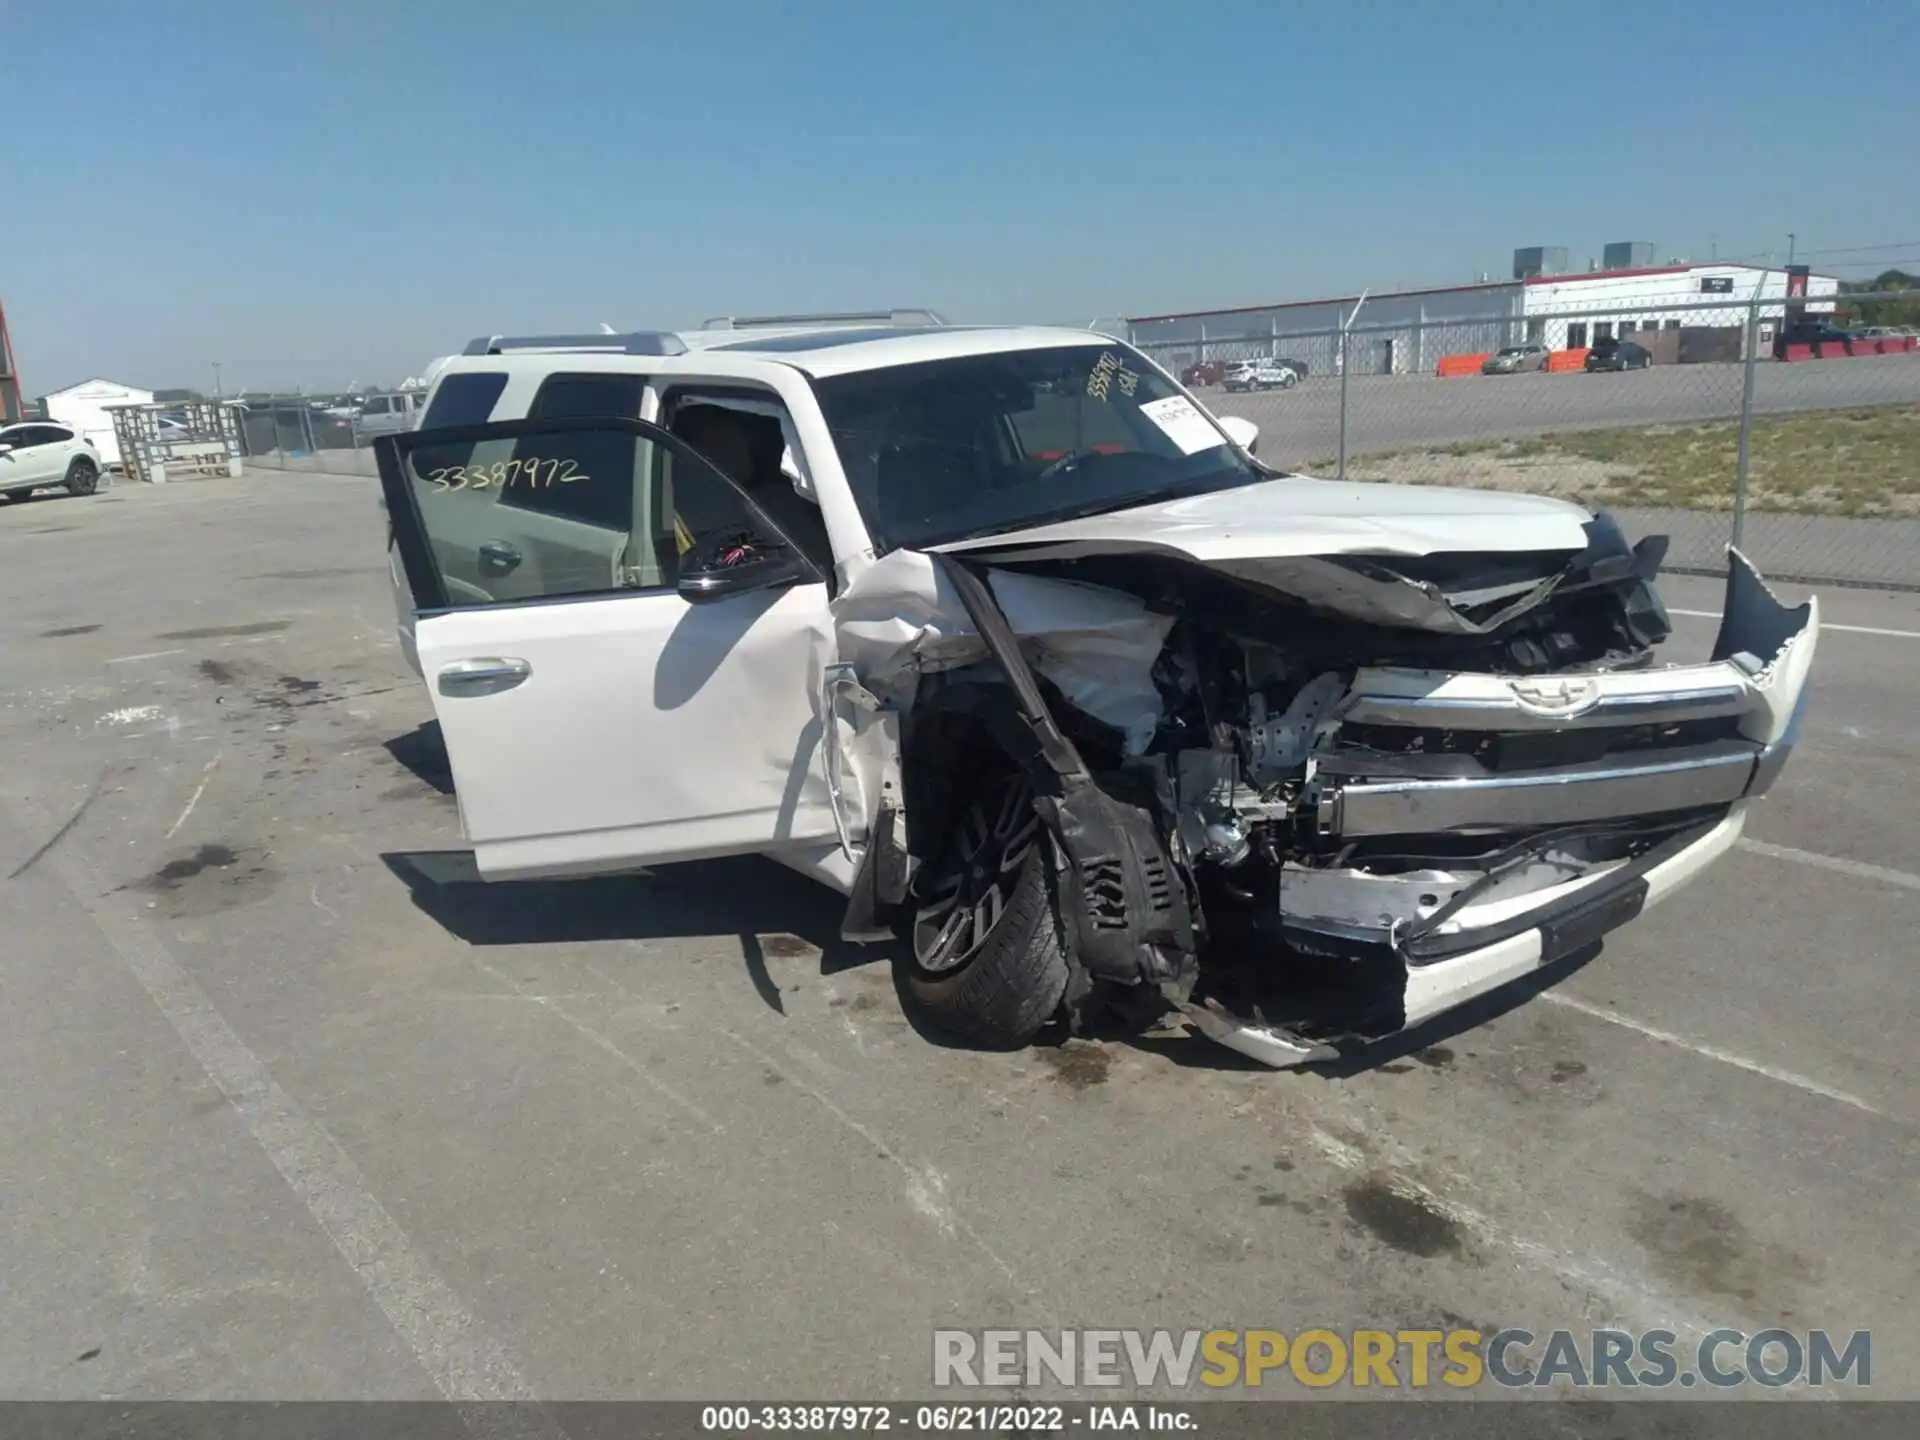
[1856, 462]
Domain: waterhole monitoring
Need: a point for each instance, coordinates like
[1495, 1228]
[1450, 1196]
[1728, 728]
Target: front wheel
[988, 961]
[83, 477]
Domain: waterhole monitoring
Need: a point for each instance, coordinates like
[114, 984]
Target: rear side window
[465, 399]
[567, 396]
[603, 453]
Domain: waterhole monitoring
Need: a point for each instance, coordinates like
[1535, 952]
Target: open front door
[624, 654]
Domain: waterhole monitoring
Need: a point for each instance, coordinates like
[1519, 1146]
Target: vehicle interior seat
[746, 447]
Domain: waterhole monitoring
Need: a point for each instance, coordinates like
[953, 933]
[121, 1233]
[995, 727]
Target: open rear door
[623, 653]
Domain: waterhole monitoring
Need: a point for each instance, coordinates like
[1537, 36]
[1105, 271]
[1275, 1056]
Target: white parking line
[146, 655]
[464, 1362]
[1859, 869]
[1824, 625]
[1711, 1052]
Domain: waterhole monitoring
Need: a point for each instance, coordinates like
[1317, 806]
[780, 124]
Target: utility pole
[216, 379]
[1790, 239]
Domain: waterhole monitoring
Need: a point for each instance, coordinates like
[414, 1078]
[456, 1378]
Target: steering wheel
[1064, 463]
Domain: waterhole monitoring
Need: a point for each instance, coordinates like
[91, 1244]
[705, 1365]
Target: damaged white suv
[1005, 636]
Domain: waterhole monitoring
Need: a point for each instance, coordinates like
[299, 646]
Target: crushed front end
[1466, 771]
[1429, 835]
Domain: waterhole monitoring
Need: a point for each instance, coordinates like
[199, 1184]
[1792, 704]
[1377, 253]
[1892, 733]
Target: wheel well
[960, 722]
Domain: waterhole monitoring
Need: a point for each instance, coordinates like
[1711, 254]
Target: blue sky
[318, 194]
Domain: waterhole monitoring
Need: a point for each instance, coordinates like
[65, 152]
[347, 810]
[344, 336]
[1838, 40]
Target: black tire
[83, 477]
[8, 497]
[986, 955]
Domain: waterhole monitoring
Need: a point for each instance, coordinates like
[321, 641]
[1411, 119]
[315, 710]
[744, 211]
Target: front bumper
[1448, 936]
[1575, 920]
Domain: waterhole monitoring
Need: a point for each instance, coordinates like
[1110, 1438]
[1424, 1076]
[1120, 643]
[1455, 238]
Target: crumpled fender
[901, 618]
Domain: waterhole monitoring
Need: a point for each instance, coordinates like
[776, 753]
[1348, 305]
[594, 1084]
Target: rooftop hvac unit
[1539, 260]
[1627, 255]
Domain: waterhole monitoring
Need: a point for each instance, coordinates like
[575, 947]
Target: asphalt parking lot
[292, 1108]
[1401, 412]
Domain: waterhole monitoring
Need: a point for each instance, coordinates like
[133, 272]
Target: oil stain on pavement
[213, 878]
[1405, 1222]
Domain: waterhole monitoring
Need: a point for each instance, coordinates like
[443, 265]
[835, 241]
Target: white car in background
[38, 454]
[1262, 375]
[1007, 638]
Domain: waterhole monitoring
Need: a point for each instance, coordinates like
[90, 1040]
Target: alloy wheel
[967, 894]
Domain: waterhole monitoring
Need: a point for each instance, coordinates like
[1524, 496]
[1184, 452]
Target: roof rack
[638, 342]
[842, 317]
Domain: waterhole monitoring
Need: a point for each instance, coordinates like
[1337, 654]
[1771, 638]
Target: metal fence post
[1746, 418]
[1346, 364]
[306, 430]
[1344, 367]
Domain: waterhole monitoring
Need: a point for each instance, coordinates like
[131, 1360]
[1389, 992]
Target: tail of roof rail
[841, 317]
[637, 342]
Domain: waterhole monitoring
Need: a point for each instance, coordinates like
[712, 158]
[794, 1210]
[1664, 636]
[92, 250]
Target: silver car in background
[1515, 358]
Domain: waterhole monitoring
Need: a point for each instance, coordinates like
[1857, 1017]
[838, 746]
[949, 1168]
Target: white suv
[1005, 636]
[38, 454]
[1261, 375]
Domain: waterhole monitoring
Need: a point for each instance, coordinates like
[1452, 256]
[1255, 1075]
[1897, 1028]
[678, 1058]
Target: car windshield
[989, 443]
[1514, 350]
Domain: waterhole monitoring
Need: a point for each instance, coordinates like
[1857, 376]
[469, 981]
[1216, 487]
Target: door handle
[466, 678]
[498, 558]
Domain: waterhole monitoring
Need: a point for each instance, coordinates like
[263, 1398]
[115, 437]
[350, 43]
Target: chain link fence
[303, 432]
[1729, 421]
[1714, 422]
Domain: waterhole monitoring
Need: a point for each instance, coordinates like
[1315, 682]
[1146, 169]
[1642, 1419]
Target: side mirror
[1243, 433]
[775, 571]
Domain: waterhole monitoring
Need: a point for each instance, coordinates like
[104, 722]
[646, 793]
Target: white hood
[1295, 517]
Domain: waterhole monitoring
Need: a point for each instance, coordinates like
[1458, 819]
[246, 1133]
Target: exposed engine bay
[1284, 817]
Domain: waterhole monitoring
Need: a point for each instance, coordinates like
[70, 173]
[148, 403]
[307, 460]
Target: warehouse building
[1407, 332]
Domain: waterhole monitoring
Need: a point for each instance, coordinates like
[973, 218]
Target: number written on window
[531, 472]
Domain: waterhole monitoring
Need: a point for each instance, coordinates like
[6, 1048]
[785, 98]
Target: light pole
[216, 379]
[1790, 239]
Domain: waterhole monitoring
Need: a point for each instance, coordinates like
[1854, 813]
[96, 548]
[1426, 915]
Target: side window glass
[586, 452]
[573, 511]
